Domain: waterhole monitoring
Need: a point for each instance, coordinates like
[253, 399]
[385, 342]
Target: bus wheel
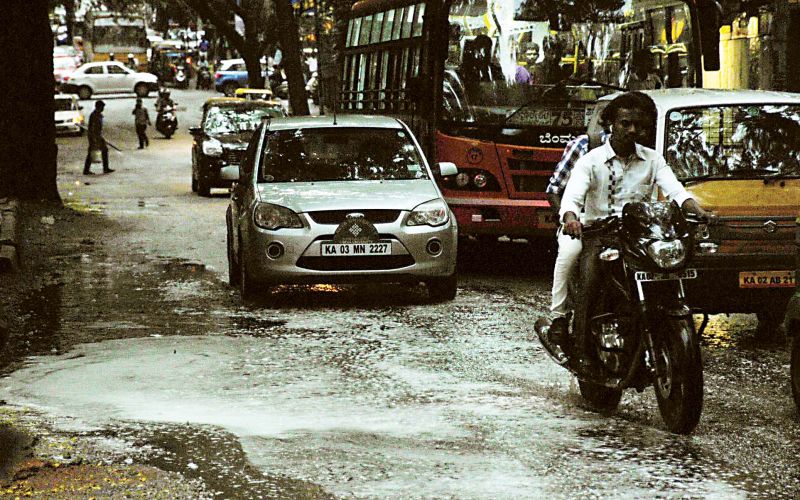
[141, 90]
[84, 92]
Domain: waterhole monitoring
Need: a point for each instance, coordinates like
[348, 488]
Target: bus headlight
[462, 179]
[480, 181]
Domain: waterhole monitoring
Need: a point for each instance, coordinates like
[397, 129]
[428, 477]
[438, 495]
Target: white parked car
[324, 200]
[108, 77]
[68, 114]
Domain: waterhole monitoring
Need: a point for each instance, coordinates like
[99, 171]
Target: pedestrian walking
[96, 140]
[141, 120]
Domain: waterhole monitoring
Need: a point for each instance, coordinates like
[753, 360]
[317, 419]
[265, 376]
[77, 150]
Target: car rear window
[340, 154]
[64, 105]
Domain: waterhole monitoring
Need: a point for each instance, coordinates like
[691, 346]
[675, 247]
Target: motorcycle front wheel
[678, 382]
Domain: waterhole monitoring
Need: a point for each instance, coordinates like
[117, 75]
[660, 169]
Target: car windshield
[742, 141]
[340, 154]
[236, 119]
[63, 104]
[534, 63]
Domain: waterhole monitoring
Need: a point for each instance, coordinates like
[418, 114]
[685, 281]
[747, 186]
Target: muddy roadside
[35, 459]
[38, 457]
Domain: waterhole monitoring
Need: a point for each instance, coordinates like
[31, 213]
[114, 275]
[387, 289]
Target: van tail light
[217, 75]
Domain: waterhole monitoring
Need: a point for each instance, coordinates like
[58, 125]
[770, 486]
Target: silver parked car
[324, 200]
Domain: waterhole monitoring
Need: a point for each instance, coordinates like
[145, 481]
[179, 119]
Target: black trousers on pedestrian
[88, 162]
[141, 131]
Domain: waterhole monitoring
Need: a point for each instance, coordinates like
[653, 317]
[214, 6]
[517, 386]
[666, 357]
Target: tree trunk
[27, 148]
[252, 53]
[69, 9]
[290, 47]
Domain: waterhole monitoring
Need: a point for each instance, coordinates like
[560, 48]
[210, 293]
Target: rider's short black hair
[629, 100]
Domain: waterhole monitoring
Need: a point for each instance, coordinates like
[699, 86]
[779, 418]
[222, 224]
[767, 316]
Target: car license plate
[328, 249]
[767, 279]
[686, 274]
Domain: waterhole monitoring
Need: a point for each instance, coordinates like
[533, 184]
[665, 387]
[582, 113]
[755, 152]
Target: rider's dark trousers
[587, 290]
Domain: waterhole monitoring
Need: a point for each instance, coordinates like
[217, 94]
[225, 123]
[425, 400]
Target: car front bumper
[717, 288]
[302, 262]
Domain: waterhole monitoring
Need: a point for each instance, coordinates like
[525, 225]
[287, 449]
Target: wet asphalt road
[361, 391]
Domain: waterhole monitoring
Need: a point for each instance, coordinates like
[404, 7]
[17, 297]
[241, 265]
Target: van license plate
[355, 249]
[767, 279]
[686, 274]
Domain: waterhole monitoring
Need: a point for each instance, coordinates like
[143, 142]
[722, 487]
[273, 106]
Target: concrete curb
[9, 235]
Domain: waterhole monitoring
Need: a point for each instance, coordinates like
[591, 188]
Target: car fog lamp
[667, 254]
[480, 181]
[431, 213]
[462, 179]
[702, 232]
[272, 217]
[212, 147]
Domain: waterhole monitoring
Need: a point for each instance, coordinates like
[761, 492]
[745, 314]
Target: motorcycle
[204, 79]
[181, 78]
[167, 120]
[639, 329]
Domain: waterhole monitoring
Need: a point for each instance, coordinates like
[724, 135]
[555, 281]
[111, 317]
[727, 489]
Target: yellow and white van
[738, 153]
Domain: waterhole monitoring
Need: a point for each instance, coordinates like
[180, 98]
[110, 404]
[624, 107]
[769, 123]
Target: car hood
[146, 77]
[66, 115]
[233, 140]
[348, 195]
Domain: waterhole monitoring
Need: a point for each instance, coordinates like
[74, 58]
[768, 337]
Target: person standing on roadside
[96, 140]
[141, 119]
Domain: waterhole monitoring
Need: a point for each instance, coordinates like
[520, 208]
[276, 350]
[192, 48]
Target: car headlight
[77, 119]
[212, 147]
[431, 213]
[667, 254]
[272, 217]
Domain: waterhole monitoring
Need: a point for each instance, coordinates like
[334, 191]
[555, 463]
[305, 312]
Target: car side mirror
[447, 168]
[229, 173]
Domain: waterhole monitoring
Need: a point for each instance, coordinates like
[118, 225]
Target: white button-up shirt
[602, 183]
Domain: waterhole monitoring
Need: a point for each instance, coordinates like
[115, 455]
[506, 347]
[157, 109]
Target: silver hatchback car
[339, 200]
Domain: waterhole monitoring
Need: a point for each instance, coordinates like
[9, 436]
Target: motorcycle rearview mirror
[229, 173]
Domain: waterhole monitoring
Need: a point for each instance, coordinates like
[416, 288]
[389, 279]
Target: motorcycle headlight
[212, 147]
[431, 213]
[272, 217]
[667, 254]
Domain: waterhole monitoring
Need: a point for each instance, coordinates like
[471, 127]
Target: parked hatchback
[339, 200]
[68, 114]
[108, 77]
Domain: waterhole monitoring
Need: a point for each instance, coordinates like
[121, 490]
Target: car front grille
[232, 156]
[338, 216]
[375, 263]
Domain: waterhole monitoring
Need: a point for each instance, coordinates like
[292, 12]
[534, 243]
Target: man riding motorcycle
[602, 182]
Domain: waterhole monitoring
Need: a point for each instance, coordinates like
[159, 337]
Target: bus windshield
[121, 35]
[526, 63]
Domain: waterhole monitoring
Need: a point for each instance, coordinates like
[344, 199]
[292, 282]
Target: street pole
[319, 60]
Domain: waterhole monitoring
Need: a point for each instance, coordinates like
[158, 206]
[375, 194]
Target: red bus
[499, 88]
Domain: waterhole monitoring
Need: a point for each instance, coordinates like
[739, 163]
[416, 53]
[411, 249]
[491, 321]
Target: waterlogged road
[361, 391]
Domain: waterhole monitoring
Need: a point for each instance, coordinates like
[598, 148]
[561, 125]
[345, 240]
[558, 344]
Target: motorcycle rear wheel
[600, 398]
[679, 375]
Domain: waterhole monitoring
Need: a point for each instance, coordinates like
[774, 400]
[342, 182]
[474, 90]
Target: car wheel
[141, 90]
[229, 89]
[194, 184]
[84, 92]
[203, 189]
[247, 287]
[233, 266]
[442, 289]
